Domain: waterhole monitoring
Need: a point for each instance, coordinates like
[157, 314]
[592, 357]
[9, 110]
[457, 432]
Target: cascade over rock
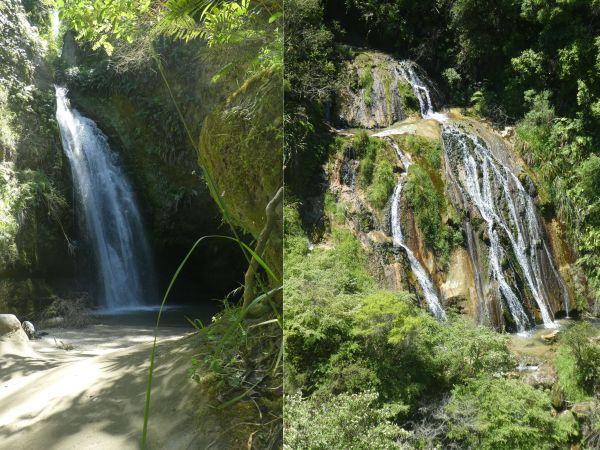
[376, 92]
[429, 290]
[520, 263]
[505, 274]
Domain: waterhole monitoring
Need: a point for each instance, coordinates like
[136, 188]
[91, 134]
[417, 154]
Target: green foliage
[428, 151]
[386, 318]
[428, 204]
[311, 68]
[104, 22]
[568, 379]
[382, 184]
[499, 414]
[345, 421]
[343, 335]
[465, 351]
[376, 170]
[366, 84]
[334, 210]
[410, 103]
[580, 357]
[568, 173]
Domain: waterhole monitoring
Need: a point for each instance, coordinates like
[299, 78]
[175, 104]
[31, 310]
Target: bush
[465, 350]
[74, 311]
[340, 422]
[499, 414]
[579, 345]
[321, 289]
[383, 183]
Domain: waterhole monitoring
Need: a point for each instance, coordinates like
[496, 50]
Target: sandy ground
[92, 396]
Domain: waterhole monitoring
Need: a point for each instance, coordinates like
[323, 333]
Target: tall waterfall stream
[111, 218]
[504, 204]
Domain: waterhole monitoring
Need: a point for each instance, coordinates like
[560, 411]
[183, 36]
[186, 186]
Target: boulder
[542, 376]
[29, 329]
[550, 338]
[583, 410]
[13, 339]
[9, 324]
[557, 397]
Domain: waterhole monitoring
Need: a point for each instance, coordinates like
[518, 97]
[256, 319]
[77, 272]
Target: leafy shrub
[340, 422]
[376, 171]
[320, 289]
[74, 311]
[410, 103]
[499, 414]
[465, 350]
[383, 183]
[584, 352]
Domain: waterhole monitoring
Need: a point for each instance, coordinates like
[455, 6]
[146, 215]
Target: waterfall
[502, 201]
[408, 71]
[427, 287]
[508, 210]
[55, 23]
[110, 216]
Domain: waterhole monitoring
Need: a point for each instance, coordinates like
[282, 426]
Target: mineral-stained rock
[583, 410]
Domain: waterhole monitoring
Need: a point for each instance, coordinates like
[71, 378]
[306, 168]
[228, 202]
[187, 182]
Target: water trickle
[425, 282]
[55, 23]
[111, 218]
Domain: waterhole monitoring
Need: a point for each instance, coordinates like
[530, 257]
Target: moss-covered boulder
[241, 150]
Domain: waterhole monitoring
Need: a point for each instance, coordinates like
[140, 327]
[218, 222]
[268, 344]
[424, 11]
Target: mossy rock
[241, 150]
[373, 94]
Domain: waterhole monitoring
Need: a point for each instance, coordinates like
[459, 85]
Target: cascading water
[503, 203]
[507, 209]
[110, 215]
[427, 287]
[408, 71]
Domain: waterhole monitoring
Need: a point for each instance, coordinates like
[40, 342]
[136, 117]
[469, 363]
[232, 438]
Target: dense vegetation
[363, 364]
[366, 365]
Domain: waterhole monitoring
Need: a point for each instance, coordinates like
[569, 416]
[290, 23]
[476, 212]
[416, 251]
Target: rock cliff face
[35, 225]
[504, 264]
[374, 93]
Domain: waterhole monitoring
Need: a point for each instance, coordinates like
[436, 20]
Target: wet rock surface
[375, 95]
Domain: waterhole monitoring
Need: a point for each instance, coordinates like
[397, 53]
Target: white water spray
[408, 71]
[55, 22]
[111, 218]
